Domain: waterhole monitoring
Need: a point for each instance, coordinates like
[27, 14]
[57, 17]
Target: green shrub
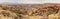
[49, 13]
[19, 12]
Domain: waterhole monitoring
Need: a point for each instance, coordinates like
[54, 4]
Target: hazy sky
[30, 1]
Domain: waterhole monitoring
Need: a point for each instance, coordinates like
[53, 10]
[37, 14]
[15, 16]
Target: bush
[49, 13]
[19, 12]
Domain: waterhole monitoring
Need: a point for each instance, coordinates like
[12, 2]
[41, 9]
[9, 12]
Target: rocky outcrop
[7, 14]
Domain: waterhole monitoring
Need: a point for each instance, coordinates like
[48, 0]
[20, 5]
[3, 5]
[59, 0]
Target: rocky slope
[30, 11]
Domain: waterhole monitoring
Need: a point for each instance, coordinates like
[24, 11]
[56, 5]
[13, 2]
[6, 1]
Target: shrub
[19, 12]
[49, 13]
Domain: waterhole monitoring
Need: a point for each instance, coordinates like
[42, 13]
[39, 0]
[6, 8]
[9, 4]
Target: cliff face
[30, 11]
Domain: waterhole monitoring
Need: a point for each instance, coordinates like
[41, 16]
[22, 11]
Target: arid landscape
[30, 11]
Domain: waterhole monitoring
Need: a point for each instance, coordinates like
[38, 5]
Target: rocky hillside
[30, 11]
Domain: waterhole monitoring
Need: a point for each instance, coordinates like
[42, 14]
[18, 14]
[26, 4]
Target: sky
[30, 1]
